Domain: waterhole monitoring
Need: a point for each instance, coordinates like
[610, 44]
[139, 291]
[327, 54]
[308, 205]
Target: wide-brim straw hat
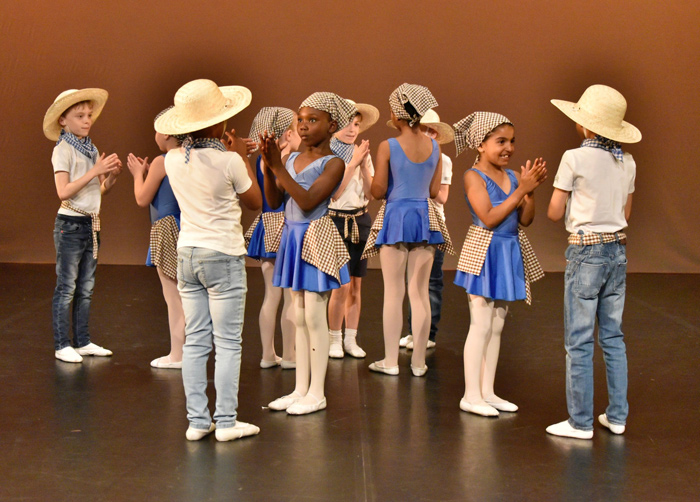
[445, 133]
[601, 109]
[370, 115]
[200, 104]
[98, 98]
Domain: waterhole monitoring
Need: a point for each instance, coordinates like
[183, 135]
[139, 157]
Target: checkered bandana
[191, 143]
[164, 235]
[411, 101]
[179, 137]
[83, 146]
[339, 109]
[471, 130]
[324, 248]
[272, 119]
[342, 150]
[94, 220]
[606, 144]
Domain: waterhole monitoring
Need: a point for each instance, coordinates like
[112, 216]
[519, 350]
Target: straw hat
[370, 115]
[445, 133]
[200, 104]
[98, 98]
[601, 109]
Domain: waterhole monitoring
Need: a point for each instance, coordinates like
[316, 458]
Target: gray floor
[113, 429]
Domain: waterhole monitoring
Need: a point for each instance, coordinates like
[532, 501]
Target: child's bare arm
[274, 193]
[320, 190]
[436, 181]
[108, 180]
[557, 204]
[66, 189]
[147, 179]
[628, 207]
[380, 183]
[358, 158]
[251, 198]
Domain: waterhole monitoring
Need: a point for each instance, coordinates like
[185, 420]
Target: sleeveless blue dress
[290, 270]
[406, 214]
[256, 248]
[502, 276]
[163, 204]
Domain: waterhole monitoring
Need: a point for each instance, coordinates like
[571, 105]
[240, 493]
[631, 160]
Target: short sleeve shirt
[353, 197]
[67, 159]
[446, 180]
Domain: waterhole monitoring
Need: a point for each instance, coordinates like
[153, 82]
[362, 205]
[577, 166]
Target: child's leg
[287, 326]
[481, 317]
[353, 306]
[303, 371]
[498, 319]
[82, 299]
[268, 312]
[420, 262]
[176, 316]
[393, 260]
[336, 314]
[435, 288]
[315, 308]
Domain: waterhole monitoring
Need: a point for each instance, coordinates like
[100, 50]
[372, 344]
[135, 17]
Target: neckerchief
[191, 143]
[342, 149]
[83, 146]
[606, 144]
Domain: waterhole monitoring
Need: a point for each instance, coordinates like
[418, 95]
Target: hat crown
[65, 94]
[604, 103]
[430, 116]
[200, 99]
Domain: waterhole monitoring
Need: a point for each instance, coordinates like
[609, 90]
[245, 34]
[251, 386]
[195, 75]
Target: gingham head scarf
[411, 101]
[339, 109]
[272, 119]
[471, 130]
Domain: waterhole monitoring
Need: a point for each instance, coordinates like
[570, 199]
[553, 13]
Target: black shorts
[356, 266]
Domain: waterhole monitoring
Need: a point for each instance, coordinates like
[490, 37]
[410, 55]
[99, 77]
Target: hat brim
[176, 121]
[625, 133]
[98, 98]
[370, 116]
[445, 132]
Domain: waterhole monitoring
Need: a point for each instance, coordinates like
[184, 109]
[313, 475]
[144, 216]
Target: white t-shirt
[207, 191]
[354, 196]
[67, 159]
[599, 187]
[446, 180]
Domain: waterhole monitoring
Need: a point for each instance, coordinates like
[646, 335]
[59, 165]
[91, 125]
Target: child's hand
[251, 145]
[359, 153]
[533, 174]
[271, 154]
[108, 165]
[235, 144]
[137, 166]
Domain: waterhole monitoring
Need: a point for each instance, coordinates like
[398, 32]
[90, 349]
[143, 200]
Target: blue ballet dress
[256, 248]
[163, 204]
[291, 271]
[502, 276]
[406, 214]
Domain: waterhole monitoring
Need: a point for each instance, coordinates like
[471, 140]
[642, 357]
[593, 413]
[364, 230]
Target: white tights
[268, 317]
[312, 344]
[401, 264]
[176, 316]
[482, 347]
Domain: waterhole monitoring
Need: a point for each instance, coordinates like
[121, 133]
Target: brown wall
[509, 56]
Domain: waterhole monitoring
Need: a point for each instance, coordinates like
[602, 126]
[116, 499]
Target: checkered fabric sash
[473, 255]
[94, 220]
[324, 247]
[355, 233]
[164, 235]
[596, 238]
[609, 145]
[273, 223]
[249, 233]
[410, 102]
[435, 221]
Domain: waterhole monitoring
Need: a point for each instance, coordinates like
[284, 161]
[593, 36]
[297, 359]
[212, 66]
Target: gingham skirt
[256, 240]
[164, 235]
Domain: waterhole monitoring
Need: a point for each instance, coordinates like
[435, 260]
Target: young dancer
[348, 209]
[593, 191]
[442, 133]
[497, 264]
[152, 187]
[311, 256]
[82, 176]
[408, 226]
[209, 184]
[281, 122]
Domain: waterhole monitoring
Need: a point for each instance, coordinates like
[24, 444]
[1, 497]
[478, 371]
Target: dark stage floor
[114, 429]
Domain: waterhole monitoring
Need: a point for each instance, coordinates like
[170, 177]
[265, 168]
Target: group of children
[312, 184]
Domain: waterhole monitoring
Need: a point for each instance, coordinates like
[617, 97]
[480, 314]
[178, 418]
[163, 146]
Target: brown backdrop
[507, 56]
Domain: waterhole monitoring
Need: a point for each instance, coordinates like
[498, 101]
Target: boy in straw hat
[593, 191]
[209, 183]
[82, 176]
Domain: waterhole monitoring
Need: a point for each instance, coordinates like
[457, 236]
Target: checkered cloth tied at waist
[273, 224]
[164, 235]
[473, 256]
[95, 221]
[355, 233]
[248, 235]
[597, 238]
[436, 224]
[324, 248]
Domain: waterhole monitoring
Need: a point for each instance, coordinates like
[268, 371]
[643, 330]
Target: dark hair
[76, 105]
[494, 129]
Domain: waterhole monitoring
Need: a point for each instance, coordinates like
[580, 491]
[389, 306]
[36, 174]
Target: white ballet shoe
[270, 364]
[335, 350]
[614, 428]
[288, 365]
[284, 402]
[351, 348]
[193, 434]
[502, 405]
[240, 430]
[419, 372]
[404, 341]
[306, 408]
[379, 367]
[564, 429]
[485, 410]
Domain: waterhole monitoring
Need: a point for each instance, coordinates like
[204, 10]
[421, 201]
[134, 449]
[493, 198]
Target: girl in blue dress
[152, 187]
[491, 267]
[311, 258]
[281, 122]
[408, 227]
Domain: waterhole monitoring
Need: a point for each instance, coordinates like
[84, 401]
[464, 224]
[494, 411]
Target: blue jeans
[435, 287]
[212, 286]
[75, 280]
[594, 287]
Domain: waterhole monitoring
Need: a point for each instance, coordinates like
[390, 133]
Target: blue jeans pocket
[620, 273]
[589, 279]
